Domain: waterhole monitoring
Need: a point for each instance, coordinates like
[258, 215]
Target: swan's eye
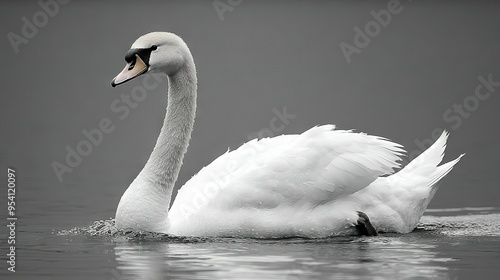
[154, 47]
[132, 65]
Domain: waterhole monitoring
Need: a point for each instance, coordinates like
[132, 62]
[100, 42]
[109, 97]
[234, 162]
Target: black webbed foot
[364, 226]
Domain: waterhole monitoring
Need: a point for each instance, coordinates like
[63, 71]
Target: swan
[320, 183]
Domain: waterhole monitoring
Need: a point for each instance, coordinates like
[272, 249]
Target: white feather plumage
[308, 185]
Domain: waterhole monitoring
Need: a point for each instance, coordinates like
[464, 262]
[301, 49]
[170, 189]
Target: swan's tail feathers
[431, 183]
[426, 165]
[442, 170]
[417, 182]
[432, 156]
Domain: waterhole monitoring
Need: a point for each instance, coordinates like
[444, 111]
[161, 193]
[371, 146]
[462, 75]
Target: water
[457, 246]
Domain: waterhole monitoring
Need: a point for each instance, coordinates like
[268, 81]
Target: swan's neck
[144, 205]
[165, 161]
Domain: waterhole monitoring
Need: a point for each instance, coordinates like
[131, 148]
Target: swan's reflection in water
[381, 258]
[336, 258]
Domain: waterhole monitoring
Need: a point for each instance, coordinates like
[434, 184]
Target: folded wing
[304, 170]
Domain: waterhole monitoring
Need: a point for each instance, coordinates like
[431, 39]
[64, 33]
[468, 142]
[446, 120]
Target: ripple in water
[108, 229]
[463, 225]
[460, 225]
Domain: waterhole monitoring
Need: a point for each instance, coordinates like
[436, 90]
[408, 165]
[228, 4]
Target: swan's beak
[132, 69]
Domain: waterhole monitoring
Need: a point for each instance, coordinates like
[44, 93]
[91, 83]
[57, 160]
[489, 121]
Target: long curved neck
[163, 166]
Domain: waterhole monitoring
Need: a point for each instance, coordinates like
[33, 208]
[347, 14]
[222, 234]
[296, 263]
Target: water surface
[459, 245]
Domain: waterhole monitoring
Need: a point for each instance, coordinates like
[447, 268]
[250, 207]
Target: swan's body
[308, 185]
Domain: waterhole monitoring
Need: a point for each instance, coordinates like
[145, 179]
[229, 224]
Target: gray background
[262, 55]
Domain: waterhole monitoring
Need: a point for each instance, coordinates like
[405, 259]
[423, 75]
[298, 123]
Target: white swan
[309, 185]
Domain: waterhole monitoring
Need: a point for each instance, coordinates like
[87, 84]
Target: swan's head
[156, 52]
